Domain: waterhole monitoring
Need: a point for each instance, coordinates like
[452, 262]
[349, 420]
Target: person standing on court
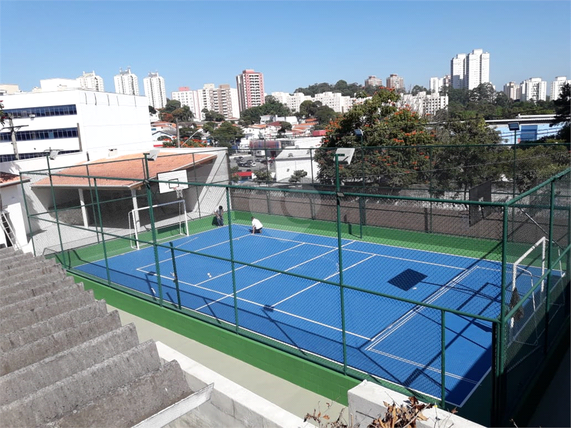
[256, 225]
[219, 213]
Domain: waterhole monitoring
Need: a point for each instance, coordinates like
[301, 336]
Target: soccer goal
[170, 219]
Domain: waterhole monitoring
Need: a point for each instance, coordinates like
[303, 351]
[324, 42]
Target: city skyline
[294, 44]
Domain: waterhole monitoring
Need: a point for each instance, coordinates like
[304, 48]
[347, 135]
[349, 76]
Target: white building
[469, 71]
[126, 83]
[73, 122]
[394, 81]
[57, 84]
[556, 86]
[339, 103]
[91, 81]
[533, 89]
[424, 104]
[512, 90]
[373, 81]
[155, 90]
[223, 100]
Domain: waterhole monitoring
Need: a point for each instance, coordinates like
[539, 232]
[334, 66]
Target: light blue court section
[397, 341]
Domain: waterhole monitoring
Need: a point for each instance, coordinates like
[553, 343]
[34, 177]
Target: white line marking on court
[417, 309]
[423, 366]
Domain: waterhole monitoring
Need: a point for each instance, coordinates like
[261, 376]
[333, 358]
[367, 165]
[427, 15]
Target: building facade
[557, 85]
[155, 90]
[533, 89]
[250, 85]
[394, 81]
[223, 100]
[91, 81]
[126, 83]
[73, 122]
[373, 81]
[512, 90]
[470, 71]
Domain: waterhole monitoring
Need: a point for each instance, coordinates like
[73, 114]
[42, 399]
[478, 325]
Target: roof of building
[8, 179]
[122, 172]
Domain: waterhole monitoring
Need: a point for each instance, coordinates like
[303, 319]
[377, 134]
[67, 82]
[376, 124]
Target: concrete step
[82, 388]
[26, 381]
[134, 402]
[24, 272]
[9, 258]
[31, 288]
[35, 315]
[18, 260]
[69, 319]
[64, 292]
[58, 342]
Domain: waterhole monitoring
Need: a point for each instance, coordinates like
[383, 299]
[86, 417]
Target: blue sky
[294, 43]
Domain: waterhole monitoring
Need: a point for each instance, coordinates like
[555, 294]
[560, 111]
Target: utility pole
[13, 130]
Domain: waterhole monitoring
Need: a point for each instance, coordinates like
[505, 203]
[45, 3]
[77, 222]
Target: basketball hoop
[178, 191]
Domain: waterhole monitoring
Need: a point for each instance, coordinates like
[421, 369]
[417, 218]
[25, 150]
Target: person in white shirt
[256, 225]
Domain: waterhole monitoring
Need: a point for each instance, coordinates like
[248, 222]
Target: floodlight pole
[48, 153]
[514, 126]
[339, 246]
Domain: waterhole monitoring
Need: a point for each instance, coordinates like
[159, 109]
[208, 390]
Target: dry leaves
[401, 416]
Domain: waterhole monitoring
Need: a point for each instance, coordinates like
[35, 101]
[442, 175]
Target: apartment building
[557, 85]
[91, 81]
[469, 71]
[394, 81]
[155, 90]
[533, 89]
[250, 85]
[126, 82]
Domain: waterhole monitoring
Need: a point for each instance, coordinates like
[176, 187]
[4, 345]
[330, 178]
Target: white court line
[417, 309]
[423, 366]
[272, 276]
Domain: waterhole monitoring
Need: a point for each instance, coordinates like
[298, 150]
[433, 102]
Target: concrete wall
[366, 403]
[230, 404]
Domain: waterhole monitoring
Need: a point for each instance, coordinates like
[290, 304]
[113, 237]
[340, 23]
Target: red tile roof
[124, 171]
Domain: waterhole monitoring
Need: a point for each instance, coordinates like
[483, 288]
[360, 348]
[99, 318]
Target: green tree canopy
[226, 133]
[563, 112]
[212, 116]
[386, 154]
[271, 107]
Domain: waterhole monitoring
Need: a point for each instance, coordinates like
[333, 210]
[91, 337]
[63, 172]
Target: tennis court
[276, 298]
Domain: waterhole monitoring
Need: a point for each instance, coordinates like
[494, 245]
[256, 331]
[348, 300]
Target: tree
[212, 116]
[166, 112]
[271, 107]
[297, 176]
[285, 126]
[226, 134]
[262, 175]
[183, 114]
[308, 108]
[152, 110]
[417, 88]
[473, 155]
[386, 154]
[324, 115]
[563, 112]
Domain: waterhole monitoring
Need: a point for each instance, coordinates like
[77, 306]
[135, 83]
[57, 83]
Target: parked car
[243, 164]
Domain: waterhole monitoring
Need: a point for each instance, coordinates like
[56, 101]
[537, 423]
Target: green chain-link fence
[530, 229]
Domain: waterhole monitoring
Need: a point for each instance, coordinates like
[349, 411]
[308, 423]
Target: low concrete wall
[230, 404]
[366, 404]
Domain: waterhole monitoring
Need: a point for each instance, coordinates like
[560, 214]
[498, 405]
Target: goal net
[170, 219]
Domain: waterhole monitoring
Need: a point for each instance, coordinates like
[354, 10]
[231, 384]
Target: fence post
[442, 359]
[102, 233]
[339, 247]
[175, 274]
[234, 291]
[153, 229]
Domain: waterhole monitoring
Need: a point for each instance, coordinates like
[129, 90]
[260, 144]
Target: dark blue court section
[396, 341]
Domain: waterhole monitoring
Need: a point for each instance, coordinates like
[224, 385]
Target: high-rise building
[436, 85]
[394, 81]
[470, 71]
[155, 90]
[373, 81]
[250, 85]
[512, 90]
[126, 83]
[556, 86]
[223, 100]
[533, 89]
[91, 81]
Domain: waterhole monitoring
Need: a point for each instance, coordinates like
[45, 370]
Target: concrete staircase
[66, 362]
